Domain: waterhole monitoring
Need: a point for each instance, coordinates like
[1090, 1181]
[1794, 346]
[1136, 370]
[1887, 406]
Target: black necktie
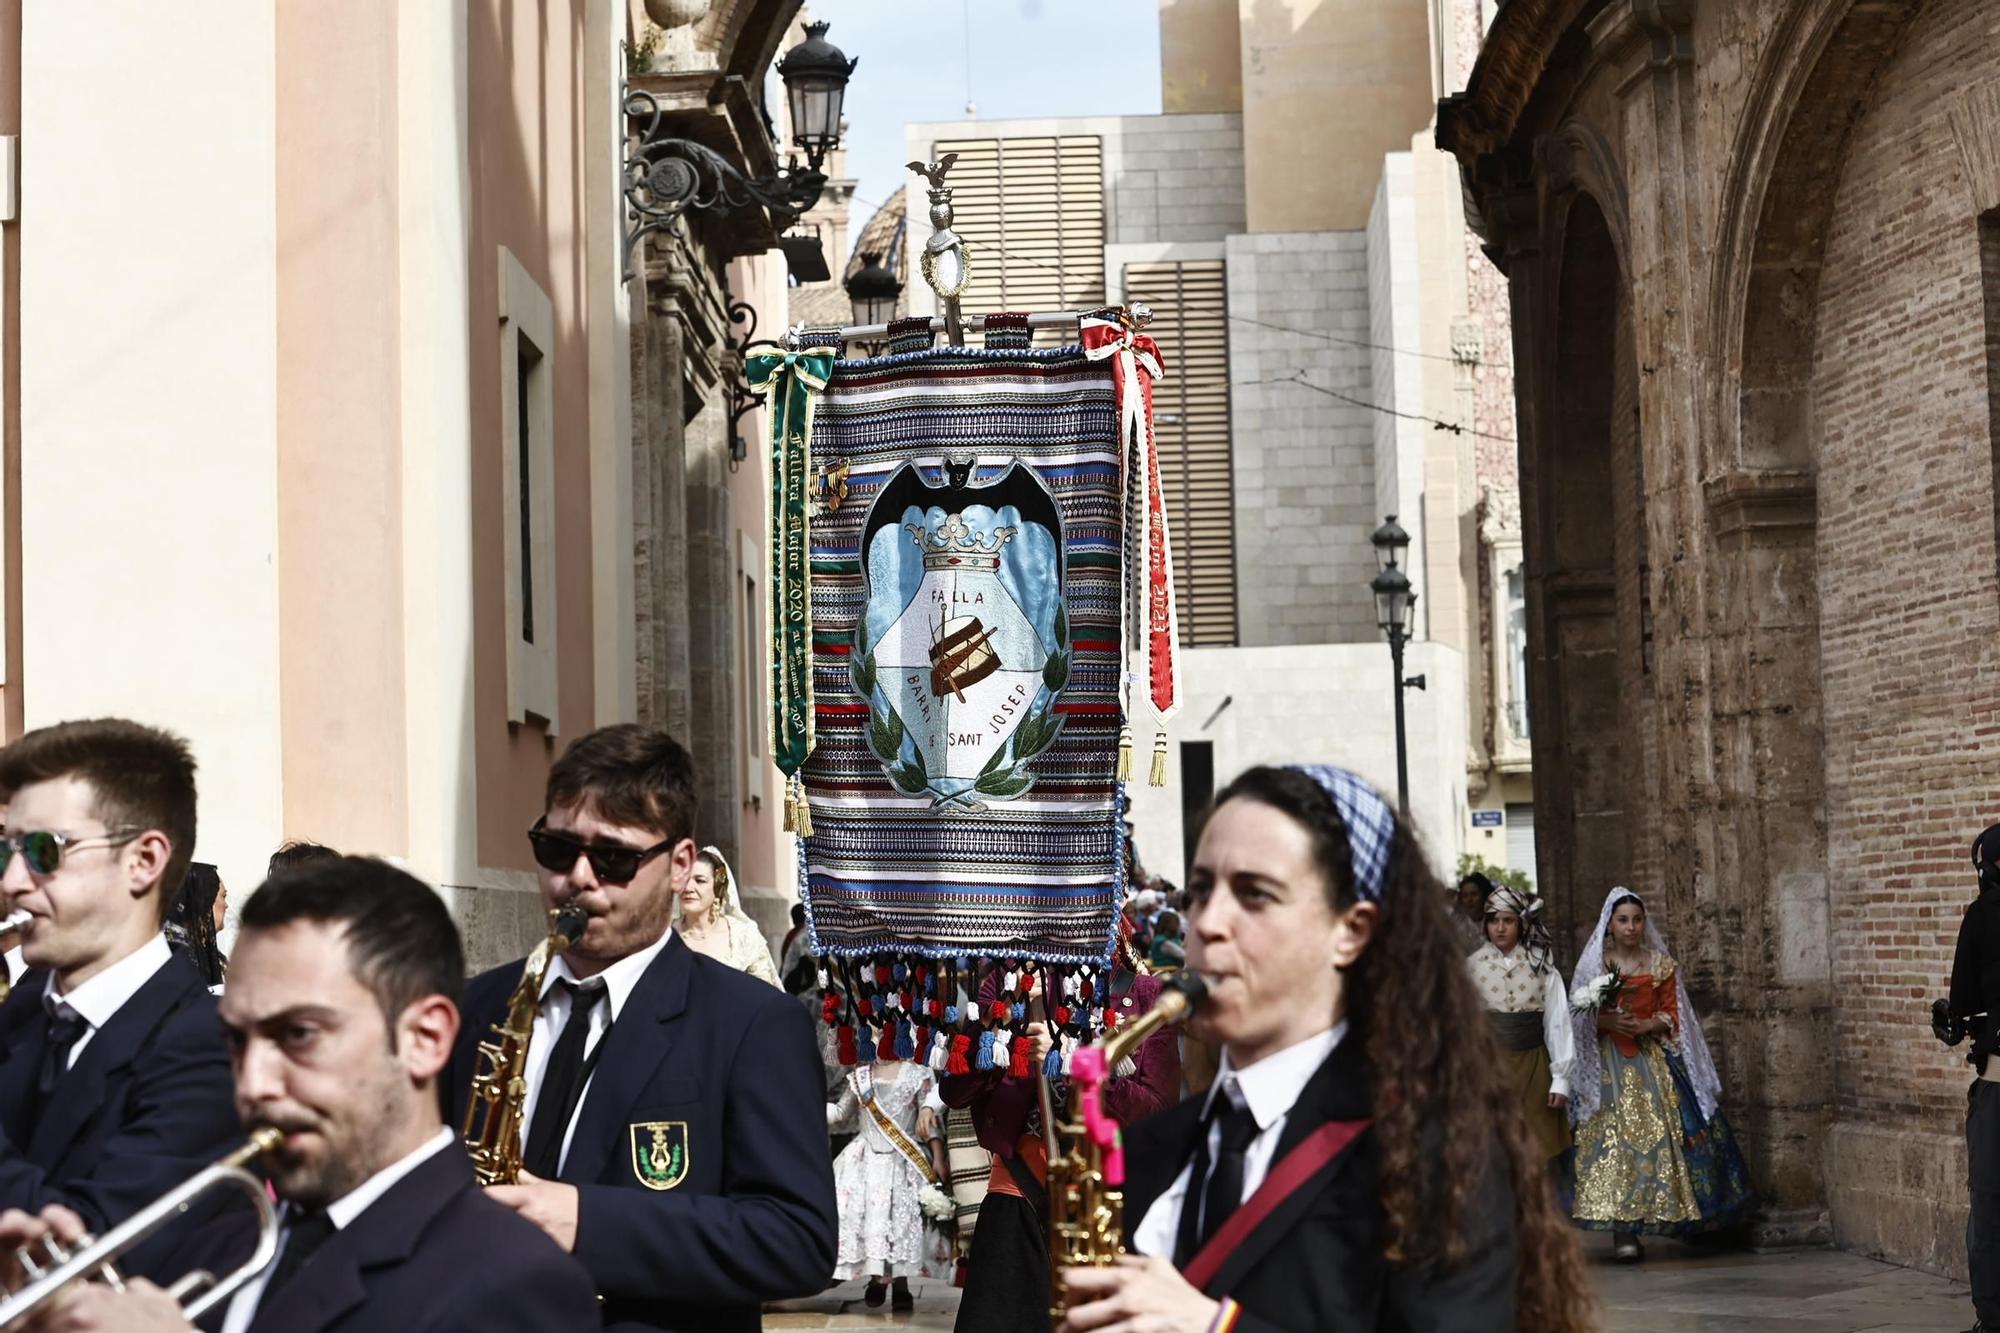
[305, 1232]
[1203, 1214]
[66, 1028]
[562, 1084]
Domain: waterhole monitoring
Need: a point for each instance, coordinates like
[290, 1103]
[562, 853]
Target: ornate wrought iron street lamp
[873, 291]
[666, 177]
[1395, 604]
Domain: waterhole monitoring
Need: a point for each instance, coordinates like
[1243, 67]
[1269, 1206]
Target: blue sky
[1027, 58]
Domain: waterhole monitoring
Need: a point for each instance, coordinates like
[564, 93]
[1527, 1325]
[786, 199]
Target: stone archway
[1776, 908]
[1585, 524]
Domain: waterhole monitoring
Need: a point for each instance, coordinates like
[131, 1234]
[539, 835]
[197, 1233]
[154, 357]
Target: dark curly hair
[1436, 1074]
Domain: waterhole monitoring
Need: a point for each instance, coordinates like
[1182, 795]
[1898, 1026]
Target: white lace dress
[882, 1227]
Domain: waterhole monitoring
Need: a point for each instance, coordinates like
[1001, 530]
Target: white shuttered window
[1032, 214]
[1191, 421]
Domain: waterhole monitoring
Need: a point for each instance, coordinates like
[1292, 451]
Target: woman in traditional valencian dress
[1653, 1151]
[1528, 1009]
[712, 922]
[889, 1180]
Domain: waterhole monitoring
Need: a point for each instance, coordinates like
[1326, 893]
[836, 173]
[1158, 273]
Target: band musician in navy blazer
[341, 1015]
[679, 1150]
[733, 1060]
[100, 822]
[147, 1104]
[1316, 1261]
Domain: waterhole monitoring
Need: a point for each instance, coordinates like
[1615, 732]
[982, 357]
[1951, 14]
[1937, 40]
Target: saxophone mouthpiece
[1190, 989]
[569, 922]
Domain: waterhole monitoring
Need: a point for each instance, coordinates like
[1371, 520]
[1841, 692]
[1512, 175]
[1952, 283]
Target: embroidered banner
[792, 379]
[966, 661]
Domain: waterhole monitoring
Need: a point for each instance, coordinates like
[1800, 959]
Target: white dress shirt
[97, 1000]
[620, 980]
[341, 1212]
[1270, 1088]
[1507, 982]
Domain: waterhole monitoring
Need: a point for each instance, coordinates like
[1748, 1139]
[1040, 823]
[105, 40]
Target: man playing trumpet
[114, 1082]
[341, 1012]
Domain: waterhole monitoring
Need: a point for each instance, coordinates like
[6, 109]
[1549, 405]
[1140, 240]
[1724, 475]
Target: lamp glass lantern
[815, 74]
[873, 291]
[1394, 598]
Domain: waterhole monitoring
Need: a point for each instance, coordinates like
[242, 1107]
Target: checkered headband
[1371, 824]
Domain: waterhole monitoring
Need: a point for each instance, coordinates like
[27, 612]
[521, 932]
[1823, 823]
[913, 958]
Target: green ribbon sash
[793, 379]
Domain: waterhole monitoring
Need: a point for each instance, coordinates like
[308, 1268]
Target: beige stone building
[333, 439]
[1322, 309]
[1753, 250]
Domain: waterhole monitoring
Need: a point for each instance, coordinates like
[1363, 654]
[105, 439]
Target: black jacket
[1975, 976]
[725, 1066]
[432, 1255]
[1316, 1262]
[149, 1101]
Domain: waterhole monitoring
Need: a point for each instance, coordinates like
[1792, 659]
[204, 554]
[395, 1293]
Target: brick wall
[1908, 603]
[1796, 218]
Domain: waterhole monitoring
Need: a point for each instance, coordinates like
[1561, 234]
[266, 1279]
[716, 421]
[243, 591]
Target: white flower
[936, 1204]
[1596, 994]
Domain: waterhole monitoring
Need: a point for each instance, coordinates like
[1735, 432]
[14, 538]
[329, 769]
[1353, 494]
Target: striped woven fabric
[965, 659]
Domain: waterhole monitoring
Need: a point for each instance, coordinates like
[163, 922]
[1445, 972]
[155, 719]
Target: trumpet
[1087, 1154]
[58, 1266]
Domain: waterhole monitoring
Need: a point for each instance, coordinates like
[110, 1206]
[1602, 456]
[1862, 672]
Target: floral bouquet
[937, 1205]
[1598, 994]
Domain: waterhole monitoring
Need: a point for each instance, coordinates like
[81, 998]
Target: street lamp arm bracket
[665, 177]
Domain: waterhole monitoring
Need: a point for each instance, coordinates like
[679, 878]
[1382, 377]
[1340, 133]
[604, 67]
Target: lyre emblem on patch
[660, 1153]
[833, 487]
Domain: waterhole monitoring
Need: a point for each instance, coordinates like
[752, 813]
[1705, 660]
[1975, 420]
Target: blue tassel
[984, 1059]
[1053, 1066]
[1019, 1011]
[900, 972]
[951, 1014]
[906, 1046]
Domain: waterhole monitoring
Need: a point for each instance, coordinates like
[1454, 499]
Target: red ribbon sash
[1298, 1166]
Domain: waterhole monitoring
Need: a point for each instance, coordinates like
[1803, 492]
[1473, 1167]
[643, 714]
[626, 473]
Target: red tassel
[885, 1049]
[956, 1062]
[1062, 1015]
[848, 1054]
[937, 1008]
[1018, 1067]
[904, 997]
[1088, 990]
[864, 1006]
[923, 1043]
[1000, 1009]
[882, 974]
[1027, 984]
[829, 1009]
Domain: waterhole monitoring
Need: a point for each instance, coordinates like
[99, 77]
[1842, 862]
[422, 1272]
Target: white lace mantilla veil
[743, 932]
[1584, 1079]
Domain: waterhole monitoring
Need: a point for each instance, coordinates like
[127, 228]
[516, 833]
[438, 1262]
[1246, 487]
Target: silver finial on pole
[945, 264]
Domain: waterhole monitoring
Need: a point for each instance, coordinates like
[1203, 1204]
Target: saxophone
[499, 1085]
[1087, 1171]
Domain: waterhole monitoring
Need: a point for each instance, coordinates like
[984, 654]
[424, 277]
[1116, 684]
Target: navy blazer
[1316, 1262]
[737, 1207]
[149, 1101]
[432, 1255]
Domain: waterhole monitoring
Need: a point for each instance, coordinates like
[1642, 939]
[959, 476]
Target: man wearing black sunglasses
[114, 1079]
[674, 1137]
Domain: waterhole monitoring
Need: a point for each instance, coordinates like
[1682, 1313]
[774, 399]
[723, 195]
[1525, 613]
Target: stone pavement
[1677, 1290]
